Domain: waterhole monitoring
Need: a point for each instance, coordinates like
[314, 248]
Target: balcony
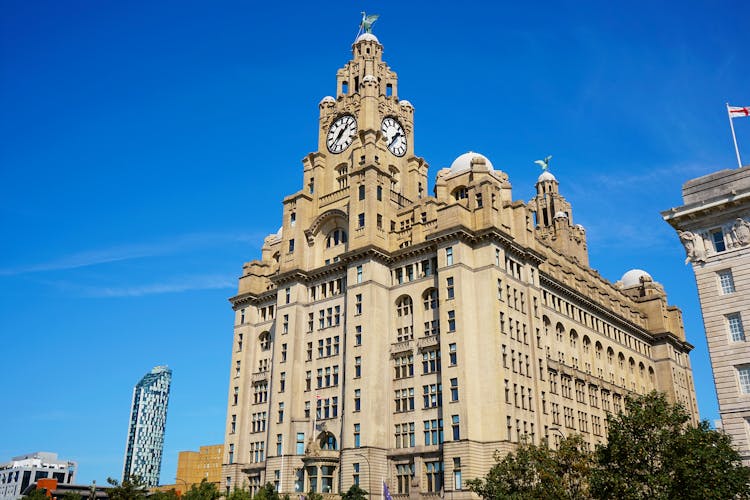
[403, 346]
[258, 377]
[427, 342]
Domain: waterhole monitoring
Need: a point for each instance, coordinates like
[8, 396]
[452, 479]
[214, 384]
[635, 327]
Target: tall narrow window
[455, 425]
[362, 192]
[359, 274]
[449, 282]
[718, 239]
[356, 435]
[291, 246]
[449, 256]
[361, 220]
[744, 375]
[300, 449]
[726, 281]
[736, 331]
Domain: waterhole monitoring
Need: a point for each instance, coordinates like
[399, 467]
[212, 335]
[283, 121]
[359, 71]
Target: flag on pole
[738, 111]
[386, 493]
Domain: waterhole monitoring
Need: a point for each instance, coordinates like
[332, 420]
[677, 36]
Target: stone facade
[389, 335]
[195, 466]
[714, 227]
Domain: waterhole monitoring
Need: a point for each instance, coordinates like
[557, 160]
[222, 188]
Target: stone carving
[694, 248]
[741, 231]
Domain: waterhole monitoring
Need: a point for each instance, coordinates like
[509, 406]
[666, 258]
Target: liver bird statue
[544, 163]
[367, 21]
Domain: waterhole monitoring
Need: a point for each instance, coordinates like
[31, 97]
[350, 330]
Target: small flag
[737, 111]
[386, 493]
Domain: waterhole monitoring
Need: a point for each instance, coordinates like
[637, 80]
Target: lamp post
[557, 429]
[183, 482]
[369, 478]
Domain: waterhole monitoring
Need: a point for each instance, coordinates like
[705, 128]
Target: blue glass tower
[148, 419]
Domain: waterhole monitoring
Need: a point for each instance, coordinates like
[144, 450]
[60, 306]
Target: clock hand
[396, 136]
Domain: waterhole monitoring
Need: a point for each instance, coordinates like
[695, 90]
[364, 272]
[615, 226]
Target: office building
[389, 335]
[148, 420]
[24, 470]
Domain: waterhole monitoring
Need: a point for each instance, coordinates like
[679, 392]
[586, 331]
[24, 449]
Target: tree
[238, 494]
[314, 496]
[202, 491]
[131, 488]
[71, 495]
[653, 452]
[355, 493]
[36, 494]
[536, 471]
[267, 492]
[164, 495]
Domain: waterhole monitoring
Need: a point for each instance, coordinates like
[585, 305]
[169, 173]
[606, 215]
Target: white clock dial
[394, 135]
[341, 134]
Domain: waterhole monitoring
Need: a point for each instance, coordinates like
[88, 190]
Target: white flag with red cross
[737, 111]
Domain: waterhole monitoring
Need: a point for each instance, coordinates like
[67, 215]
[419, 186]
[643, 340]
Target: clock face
[394, 135]
[341, 134]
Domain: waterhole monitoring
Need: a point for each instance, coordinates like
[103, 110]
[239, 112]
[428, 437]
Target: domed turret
[465, 161]
[633, 277]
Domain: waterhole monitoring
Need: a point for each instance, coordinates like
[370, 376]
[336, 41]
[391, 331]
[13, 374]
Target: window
[231, 454]
[451, 321]
[291, 246]
[285, 325]
[356, 435]
[455, 426]
[726, 281]
[281, 412]
[434, 476]
[257, 452]
[361, 192]
[361, 220]
[452, 354]
[242, 316]
[736, 332]
[460, 193]
[357, 399]
[404, 473]
[288, 293]
[358, 335]
[355, 476]
[431, 361]
[300, 450]
[283, 353]
[379, 192]
[449, 256]
[282, 381]
[449, 282]
[359, 274]
[454, 389]
[279, 442]
[265, 341]
[233, 424]
[236, 395]
[404, 366]
[405, 435]
[429, 299]
[718, 239]
[433, 432]
[404, 306]
[432, 395]
[292, 219]
[358, 304]
[336, 237]
[404, 399]
[357, 367]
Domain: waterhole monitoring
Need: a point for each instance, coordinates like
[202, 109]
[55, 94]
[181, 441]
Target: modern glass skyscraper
[148, 419]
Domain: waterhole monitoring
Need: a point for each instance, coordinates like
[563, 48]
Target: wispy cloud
[182, 284]
[118, 253]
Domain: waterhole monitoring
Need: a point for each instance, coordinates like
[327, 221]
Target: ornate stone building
[389, 335]
[714, 227]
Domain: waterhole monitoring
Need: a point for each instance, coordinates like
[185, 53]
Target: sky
[146, 148]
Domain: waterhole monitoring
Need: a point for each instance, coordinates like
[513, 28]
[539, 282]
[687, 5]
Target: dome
[633, 277]
[546, 176]
[369, 78]
[561, 215]
[367, 37]
[326, 99]
[463, 162]
[406, 104]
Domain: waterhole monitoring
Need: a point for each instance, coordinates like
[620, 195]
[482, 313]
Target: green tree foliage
[164, 495]
[355, 493]
[202, 491]
[267, 492]
[36, 494]
[239, 494]
[654, 453]
[130, 489]
[539, 472]
[314, 496]
[72, 496]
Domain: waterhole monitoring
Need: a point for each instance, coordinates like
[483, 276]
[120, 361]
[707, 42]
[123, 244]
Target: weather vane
[544, 163]
[367, 21]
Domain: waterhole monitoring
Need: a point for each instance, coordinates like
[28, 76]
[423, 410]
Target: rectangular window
[357, 367]
[358, 335]
[300, 450]
[288, 294]
[358, 304]
[357, 399]
[736, 332]
[285, 325]
[457, 483]
[433, 432]
[291, 246]
[434, 473]
[452, 354]
[449, 256]
[281, 412]
[726, 281]
[361, 220]
[362, 192]
[359, 274]
[356, 435]
[433, 395]
[455, 425]
[451, 321]
[449, 282]
[282, 381]
[718, 239]
[279, 445]
[454, 389]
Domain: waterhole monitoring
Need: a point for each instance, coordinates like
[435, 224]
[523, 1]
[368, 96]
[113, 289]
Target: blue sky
[147, 146]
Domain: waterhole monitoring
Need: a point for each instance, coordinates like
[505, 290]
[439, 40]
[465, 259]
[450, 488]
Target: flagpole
[734, 137]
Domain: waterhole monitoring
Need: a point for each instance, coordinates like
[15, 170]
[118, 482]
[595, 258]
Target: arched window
[265, 341]
[621, 360]
[404, 306]
[328, 441]
[460, 193]
[430, 298]
[586, 344]
[573, 339]
[547, 323]
[598, 349]
[559, 331]
[336, 237]
[631, 362]
[610, 355]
